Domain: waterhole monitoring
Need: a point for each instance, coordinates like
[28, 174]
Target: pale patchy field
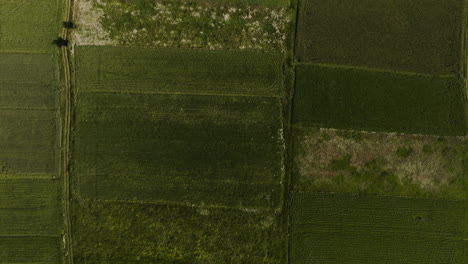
[379, 163]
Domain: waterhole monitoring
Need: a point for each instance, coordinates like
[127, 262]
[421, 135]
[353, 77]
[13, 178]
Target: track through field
[66, 135]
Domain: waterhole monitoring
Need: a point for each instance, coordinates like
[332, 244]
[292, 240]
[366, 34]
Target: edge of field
[288, 132]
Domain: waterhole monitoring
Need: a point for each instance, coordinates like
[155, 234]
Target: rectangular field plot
[358, 162]
[29, 123]
[30, 208]
[31, 249]
[378, 101]
[338, 229]
[418, 36]
[108, 232]
[215, 150]
[29, 26]
[31, 222]
[122, 69]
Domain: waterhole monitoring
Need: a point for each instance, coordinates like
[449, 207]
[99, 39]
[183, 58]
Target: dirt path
[66, 136]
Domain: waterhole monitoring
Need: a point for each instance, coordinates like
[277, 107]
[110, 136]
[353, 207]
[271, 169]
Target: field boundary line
[378, 70]
[434, 136]
[182, 93]
[162, 202]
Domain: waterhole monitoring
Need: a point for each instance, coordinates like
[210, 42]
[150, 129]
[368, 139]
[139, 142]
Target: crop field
[214, 25]
[379, 101]
[31, 249]
[28, 114]
[29, 26]
[114, 232]
[30, 221]
[30, 207]
[119, 69]
[379, 163]
[351, 229]
[421, 36]
[121, 133]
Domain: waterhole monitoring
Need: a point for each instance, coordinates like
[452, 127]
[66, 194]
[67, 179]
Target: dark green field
[29, 26]
[418, 36]
[379, 101]
[329, 229]
[30, 208]
[30, 221]
[31, 250]
[119, 69]
[118, 233]
[187, 148]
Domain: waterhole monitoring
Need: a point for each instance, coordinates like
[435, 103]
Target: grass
[379, 101]
[119, 69]
[186, 24]
[29, 26]
[416, 36]
[378, 163]
[28, 114]
[112, 232]
[328, 228]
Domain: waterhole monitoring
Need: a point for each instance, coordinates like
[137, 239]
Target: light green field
[141, 70]
[120, 233]
[417, 36]
[28, 114]
[339, 229]
[134, 140]
[29, 26]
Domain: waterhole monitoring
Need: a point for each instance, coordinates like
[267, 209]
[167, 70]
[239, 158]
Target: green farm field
[423, 36]
[379, 101]
[31, 224]
[330, 228]
[113, 232]
[178, 71]
[29, 26]
[29, 122]
[213, 149]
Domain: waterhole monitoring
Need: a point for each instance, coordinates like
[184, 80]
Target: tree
[60, 42]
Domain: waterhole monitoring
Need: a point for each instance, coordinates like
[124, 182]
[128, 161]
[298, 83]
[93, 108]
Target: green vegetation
[377, 163]
[28, 114]
[113, 232]
[119, 69]
[31, 250]
[379, 101]
[187, 24]
[29, 26]
[416, 36]
[30, 207]
[30, 221]
[336, 229]
[188, 148]
[216, 150]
